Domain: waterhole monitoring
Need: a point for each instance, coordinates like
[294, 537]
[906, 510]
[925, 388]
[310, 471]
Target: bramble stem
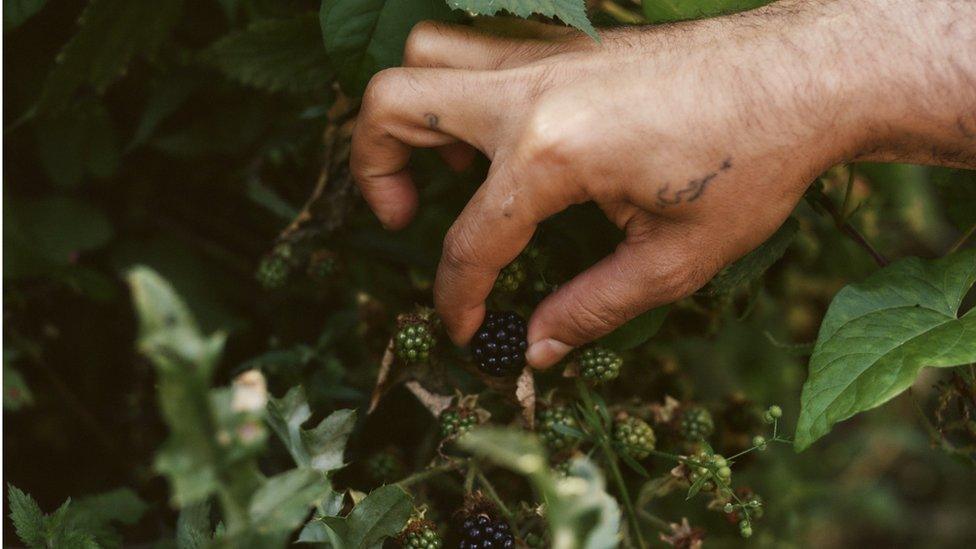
[961, 240]
[493, 495]
[430, 472]
[845, 226]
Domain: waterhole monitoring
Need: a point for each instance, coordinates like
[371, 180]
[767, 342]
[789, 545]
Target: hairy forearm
[899, 75]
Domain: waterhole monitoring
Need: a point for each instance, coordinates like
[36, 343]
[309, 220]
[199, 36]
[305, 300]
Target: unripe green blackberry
[696, 424]
[273, 271]
[634, 436]
[420, 534]
[384, 466]
[548, 420]
[511, 277]
[457, 421]
[414, 341]
[599, 364]
[535, 541]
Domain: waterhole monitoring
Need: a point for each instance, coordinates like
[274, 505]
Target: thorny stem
[961, 240]
[603, 440]
[431, 472]
[493, 495]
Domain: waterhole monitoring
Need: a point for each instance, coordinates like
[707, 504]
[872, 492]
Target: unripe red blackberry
[499, 345]
[511, 277]
[696, 424]
[414, 341]
[420, 534]
[455, 422]
[634, 436]
[481, 531]
[549, 419]
[599, 364]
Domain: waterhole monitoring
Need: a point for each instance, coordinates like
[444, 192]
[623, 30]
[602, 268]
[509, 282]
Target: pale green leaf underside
[571, 12]
[878, 334]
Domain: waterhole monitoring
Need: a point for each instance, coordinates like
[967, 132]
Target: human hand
[696, 139]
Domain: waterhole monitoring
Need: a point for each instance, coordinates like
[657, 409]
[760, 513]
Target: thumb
[635, 278]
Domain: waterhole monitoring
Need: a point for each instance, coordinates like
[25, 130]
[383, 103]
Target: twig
[961, 240]
[493, 495]
[845, 227]
[428, 473]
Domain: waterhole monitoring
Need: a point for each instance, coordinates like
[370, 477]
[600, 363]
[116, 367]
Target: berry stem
[603, 440]
[428, 473]
[493, 495]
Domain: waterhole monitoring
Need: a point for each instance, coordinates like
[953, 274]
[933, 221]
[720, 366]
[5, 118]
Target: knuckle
[418, 45]
[551, 139]
[684, 277]
[458, 251]
[592, 317]
[382, 88]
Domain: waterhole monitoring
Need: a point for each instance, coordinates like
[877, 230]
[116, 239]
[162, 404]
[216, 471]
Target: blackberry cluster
[696, 424]
[713, 467]
[275, 268]
[634, 436]
[499, 345]
[420, 534]
[457, 421]
[482, 532]
[599, 364]
[549, 419]
[511, 277]
[413, 342]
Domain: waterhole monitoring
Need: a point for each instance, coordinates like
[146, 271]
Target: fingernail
[546, 352]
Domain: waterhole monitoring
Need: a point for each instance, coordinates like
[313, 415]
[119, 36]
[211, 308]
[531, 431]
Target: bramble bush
[282, 378]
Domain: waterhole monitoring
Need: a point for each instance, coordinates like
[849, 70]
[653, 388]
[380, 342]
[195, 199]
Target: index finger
[415, 107]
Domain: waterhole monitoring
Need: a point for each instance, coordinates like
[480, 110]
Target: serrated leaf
[363, 37]
[571, 12]
[110, 34]
[27, 517]
[659, 11]
[321, 447]
[16, 12]
[696, 487]
[878, 334]
[284, 501]
[381, 514]
[275, 55]
[751, 266]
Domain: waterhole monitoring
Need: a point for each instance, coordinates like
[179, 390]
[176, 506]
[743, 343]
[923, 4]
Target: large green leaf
[110, 33]
[659, 11]
[382, 514]
[27, 517]
[571, 12]
[275, 54]
[879, 333]
[286, 499]
[363, 37]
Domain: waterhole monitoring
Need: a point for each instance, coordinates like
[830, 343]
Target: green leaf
[284, 501]
[382, 514]
[110, 33]
[193, 529]
[878, 334]
[77, 141]
[363, 37]
[660, 11]
[41, 236]
[636, 331]
[571, 12]
[16, 12]
[27, 517]
[751, 266]
[320, 448]
[275, 55]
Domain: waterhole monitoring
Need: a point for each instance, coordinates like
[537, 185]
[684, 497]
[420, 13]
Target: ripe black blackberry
[499, 345]
[481, 531]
